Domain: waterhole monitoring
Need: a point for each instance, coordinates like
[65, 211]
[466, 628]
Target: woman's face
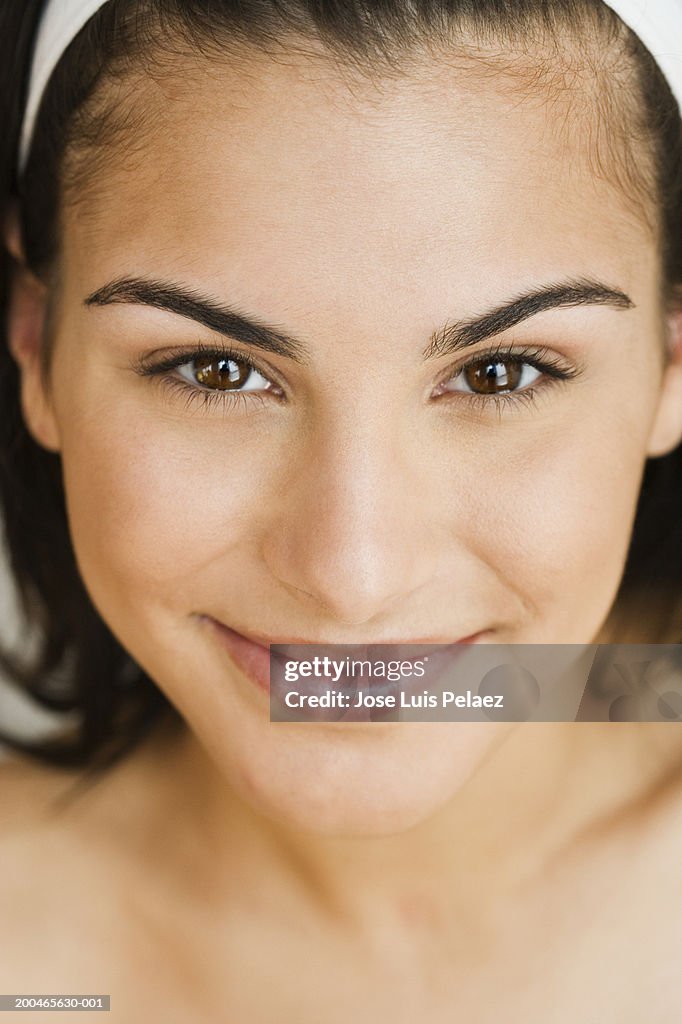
[363, 482]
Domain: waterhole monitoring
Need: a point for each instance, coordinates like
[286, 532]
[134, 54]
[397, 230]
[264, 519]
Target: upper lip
[265, 641]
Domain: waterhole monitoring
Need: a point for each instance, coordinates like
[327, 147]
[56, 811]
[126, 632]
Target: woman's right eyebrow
[450, 338]
[189, 304]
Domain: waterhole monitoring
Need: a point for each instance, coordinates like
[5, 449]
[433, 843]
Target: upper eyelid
[185, 355]
[178, 357]
[535, 355]
[503, 348]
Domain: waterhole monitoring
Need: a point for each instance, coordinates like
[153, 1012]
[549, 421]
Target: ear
[666, 431]
[25, 328]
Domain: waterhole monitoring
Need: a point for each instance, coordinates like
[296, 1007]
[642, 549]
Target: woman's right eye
[223, 373]
[208, 375]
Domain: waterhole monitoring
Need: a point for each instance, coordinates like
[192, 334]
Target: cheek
[556, 519]
[156, 507]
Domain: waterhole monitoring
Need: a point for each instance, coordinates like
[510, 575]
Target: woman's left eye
[493, 376]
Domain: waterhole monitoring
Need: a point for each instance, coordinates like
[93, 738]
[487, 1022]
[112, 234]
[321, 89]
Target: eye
[494, 376]
[507, 376]
[208, 376]
[223, 373]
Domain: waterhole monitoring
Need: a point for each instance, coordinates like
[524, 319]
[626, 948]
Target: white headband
[658, 23]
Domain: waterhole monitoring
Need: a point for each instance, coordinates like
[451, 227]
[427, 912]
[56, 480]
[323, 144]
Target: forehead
[286, 179]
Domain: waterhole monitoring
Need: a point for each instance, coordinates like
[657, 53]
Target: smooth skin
[359, 493]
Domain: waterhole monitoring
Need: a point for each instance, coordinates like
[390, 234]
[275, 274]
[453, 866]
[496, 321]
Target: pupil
[221, 374]
[491, 378]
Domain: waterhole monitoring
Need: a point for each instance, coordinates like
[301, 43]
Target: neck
[538, 791]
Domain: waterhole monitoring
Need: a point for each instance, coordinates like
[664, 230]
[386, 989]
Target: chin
[365, 784]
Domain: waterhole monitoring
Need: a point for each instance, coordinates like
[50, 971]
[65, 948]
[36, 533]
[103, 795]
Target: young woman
[338, 323]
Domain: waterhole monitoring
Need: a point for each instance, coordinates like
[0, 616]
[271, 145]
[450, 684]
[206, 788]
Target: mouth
[252, 655]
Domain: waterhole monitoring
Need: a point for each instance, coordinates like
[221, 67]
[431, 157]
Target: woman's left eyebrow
[450, 338]
[462, 334]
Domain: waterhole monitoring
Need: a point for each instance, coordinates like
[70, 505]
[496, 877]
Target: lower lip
[254, 659]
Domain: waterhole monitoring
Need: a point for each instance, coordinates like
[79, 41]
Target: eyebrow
[450, 338]
[192, 306]
[464, 333]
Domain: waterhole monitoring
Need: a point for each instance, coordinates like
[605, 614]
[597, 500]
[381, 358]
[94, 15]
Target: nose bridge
[346, 534]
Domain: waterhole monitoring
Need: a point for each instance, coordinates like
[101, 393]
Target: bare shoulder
[67, 823]
[37, 798]
[65, 830]
[663, 818]
[62, 889]
[28, 791]
[39, 852]
[642, 861]
[78, 891]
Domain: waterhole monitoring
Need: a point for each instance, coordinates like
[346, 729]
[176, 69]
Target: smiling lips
[253, 656]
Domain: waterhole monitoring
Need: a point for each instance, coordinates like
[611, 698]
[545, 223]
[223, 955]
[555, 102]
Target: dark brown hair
[77, 664]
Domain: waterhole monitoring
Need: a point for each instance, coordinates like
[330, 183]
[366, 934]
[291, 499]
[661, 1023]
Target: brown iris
[491, 377]
[221, 374]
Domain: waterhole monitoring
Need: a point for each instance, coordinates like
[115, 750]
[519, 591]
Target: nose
[351, 534]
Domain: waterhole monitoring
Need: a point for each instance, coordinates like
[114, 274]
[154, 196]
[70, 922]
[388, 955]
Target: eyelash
[553, 370]
[540, 359]
[161, 372]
